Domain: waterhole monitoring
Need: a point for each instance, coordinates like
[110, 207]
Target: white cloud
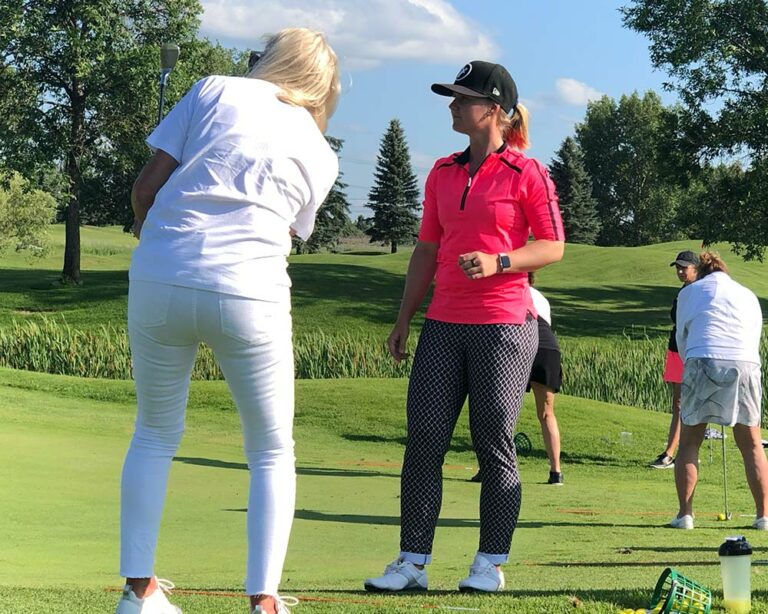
[575, 92]
[364, 33]
[531, 104]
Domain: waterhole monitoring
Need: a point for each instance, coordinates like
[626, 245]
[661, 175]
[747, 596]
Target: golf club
[169, 54]
[725, 476]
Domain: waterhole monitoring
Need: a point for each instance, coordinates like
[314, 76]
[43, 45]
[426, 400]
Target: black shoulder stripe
[552, 218]
[517, 169]
[451, 163]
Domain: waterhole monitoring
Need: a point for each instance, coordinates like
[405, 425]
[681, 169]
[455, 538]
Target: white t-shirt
[541, 305]
[250, 168]
[718, 318]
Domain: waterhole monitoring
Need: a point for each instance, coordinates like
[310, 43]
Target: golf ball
[721, 516]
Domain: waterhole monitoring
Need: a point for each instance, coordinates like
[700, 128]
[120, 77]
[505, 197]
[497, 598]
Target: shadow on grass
[459, 444]
[611, 310]
[622, 597]
[607, 564]
[466, 523]
[373, 295]
[462, 444]
[350, 286]
[42, 290]
[577, 598]
[363, 253]
[378, 520]
[707, 549]
[209, 462]
[313, 471]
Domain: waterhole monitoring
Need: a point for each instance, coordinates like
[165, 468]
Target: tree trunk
[70, 274]
[393, 248]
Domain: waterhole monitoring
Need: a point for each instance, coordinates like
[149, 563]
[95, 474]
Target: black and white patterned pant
[491, 364]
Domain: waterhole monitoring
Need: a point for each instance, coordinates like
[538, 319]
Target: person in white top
[719, 324]
[239, 166]
[545, 381]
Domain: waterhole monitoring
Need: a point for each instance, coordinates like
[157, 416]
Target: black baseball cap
[482, 80]
[686, 258]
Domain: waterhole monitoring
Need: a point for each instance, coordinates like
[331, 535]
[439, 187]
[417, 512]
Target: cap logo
[496, 91]
[464, 72]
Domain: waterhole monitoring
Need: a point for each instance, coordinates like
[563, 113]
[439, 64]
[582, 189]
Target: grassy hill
[595, 545]
[594, 291]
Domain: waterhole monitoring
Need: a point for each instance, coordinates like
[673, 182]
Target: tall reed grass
[625, 371]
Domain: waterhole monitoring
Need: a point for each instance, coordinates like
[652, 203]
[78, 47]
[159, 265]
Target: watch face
[505, 264]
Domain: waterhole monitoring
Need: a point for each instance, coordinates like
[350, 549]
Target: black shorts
[547, 369]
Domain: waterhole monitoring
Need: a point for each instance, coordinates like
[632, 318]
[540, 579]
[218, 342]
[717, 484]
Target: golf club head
[169, 55]
[253, 58]
[728, 516]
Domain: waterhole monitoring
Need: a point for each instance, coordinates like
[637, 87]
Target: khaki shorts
[723, 392]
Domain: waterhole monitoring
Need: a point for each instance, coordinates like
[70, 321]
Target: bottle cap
[735, 546]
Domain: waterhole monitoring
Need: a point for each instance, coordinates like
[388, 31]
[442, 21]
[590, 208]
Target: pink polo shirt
[495, 211]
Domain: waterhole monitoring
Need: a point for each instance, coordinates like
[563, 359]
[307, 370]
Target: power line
[369, 163]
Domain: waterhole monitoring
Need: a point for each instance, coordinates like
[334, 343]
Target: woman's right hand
[398, 339]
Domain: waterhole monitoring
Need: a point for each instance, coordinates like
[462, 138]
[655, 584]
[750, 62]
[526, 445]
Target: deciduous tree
[76, 72]
[636, 183]
[716, 53]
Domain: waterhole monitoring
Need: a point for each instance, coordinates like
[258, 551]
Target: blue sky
[561, 53]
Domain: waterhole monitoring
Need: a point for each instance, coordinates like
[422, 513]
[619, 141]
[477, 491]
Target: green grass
[599, 541]
[596, 545]
[594, 291]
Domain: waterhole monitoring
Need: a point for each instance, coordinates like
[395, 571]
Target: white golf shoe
[483, 577]
[682, 522]
[154, 603]
[400, 575]
[761, 524]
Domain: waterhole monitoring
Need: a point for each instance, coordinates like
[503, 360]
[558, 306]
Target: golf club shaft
[725, 475]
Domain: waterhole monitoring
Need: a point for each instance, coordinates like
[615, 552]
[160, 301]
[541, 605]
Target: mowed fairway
[596, 544]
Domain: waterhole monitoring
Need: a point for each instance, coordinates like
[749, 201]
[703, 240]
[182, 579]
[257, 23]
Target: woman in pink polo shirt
[480, 334]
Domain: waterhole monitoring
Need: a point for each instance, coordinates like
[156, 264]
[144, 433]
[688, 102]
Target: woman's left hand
[478, 264]
[136, 229]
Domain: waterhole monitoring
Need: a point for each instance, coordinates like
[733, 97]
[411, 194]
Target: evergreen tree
[574, 188]
[394, 197]
[333, 217]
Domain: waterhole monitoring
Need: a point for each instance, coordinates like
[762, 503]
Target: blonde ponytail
[514, 129]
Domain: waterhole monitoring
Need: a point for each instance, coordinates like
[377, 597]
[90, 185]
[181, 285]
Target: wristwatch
[502, 263]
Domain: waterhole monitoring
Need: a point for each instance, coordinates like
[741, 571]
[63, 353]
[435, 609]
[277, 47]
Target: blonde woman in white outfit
[239, 166]
[719, 323]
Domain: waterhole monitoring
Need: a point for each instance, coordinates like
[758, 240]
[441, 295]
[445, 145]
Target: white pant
[252, 343]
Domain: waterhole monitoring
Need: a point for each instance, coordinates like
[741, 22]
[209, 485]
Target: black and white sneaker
[555, 478]
[662, 461]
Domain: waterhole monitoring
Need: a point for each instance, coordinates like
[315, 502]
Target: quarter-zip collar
[463, 157]
[463, 160]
